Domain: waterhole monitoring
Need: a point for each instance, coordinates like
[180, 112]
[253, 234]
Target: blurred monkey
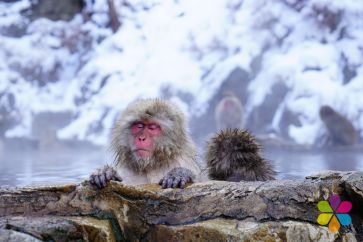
[233, 155]
[229, 112]
[340, 131]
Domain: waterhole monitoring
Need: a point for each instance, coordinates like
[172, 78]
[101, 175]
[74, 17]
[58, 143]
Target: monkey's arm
[100, 177]
[177, 178]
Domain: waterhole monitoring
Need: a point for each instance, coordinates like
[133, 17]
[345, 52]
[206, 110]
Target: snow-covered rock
[293, 56]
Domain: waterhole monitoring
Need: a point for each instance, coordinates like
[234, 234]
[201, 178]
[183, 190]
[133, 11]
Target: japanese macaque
[340, 130]
[229, 112]
[151, 145]
[233, 155]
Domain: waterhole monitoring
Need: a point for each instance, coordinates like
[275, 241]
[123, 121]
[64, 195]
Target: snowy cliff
[290, 57]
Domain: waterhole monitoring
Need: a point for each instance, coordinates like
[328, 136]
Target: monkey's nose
[142, 138]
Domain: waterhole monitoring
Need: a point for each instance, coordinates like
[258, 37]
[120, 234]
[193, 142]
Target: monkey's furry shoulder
[234, 155]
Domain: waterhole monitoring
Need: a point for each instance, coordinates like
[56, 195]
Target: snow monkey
[151, 145]
[229, 112]
[233, 155]
[340, 130]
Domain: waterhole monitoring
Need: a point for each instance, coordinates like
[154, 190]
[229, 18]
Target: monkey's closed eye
[153, 126]
[137, 127]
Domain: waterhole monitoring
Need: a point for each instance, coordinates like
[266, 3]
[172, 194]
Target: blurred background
[69, 67]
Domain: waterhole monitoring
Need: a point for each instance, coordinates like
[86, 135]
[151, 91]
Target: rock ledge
[283, 210]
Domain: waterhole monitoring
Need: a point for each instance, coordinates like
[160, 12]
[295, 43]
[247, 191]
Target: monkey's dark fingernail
[91, 179]
[104, 177]
[103, 181]
[176, 182]
[182, 183]
[97, 181]
[108, 175]
[170, 183]
[100, 182]
[164, 185]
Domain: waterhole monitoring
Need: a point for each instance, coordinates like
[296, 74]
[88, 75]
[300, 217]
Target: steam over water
[23, 168]
[19, 168]
[298, 164]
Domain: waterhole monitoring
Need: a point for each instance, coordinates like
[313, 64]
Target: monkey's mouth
[142, 153]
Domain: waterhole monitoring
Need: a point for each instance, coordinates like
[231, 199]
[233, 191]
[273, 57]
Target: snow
[187, 48]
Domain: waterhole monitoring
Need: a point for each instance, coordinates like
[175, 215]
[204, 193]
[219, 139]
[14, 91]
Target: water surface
[23, 168]
[299, 164]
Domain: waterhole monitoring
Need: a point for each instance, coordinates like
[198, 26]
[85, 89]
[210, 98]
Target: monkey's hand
[100, 177]
[177, 178]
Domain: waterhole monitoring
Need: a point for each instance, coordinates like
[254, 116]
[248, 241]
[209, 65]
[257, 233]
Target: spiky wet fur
[233, 155]
[174, 143]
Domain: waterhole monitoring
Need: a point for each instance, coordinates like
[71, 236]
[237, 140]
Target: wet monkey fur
[233, 155]
[151, 144]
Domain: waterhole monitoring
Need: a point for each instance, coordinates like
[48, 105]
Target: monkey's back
[233, 155]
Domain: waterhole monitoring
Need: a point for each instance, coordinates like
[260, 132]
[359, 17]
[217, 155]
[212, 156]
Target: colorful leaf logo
[335, 213]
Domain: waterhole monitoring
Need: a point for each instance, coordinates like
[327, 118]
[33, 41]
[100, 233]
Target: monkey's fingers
[117, 177]
[97, 181]
[166, 182]
[92, 179]
[103, 179]
[176, 182]
[170, 182]
[182, 183]
[111, 174]
[163, 182]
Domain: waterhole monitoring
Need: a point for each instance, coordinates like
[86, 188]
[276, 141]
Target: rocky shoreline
[281, 210]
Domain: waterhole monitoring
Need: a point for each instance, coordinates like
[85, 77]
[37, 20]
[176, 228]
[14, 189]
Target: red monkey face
[144, 134]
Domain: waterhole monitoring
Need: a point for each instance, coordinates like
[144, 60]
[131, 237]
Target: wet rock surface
[283, 210]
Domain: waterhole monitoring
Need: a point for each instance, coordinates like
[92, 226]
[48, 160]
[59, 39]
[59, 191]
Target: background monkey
[229, 112]
[151, 145]
[340, 130]
[233, 155]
